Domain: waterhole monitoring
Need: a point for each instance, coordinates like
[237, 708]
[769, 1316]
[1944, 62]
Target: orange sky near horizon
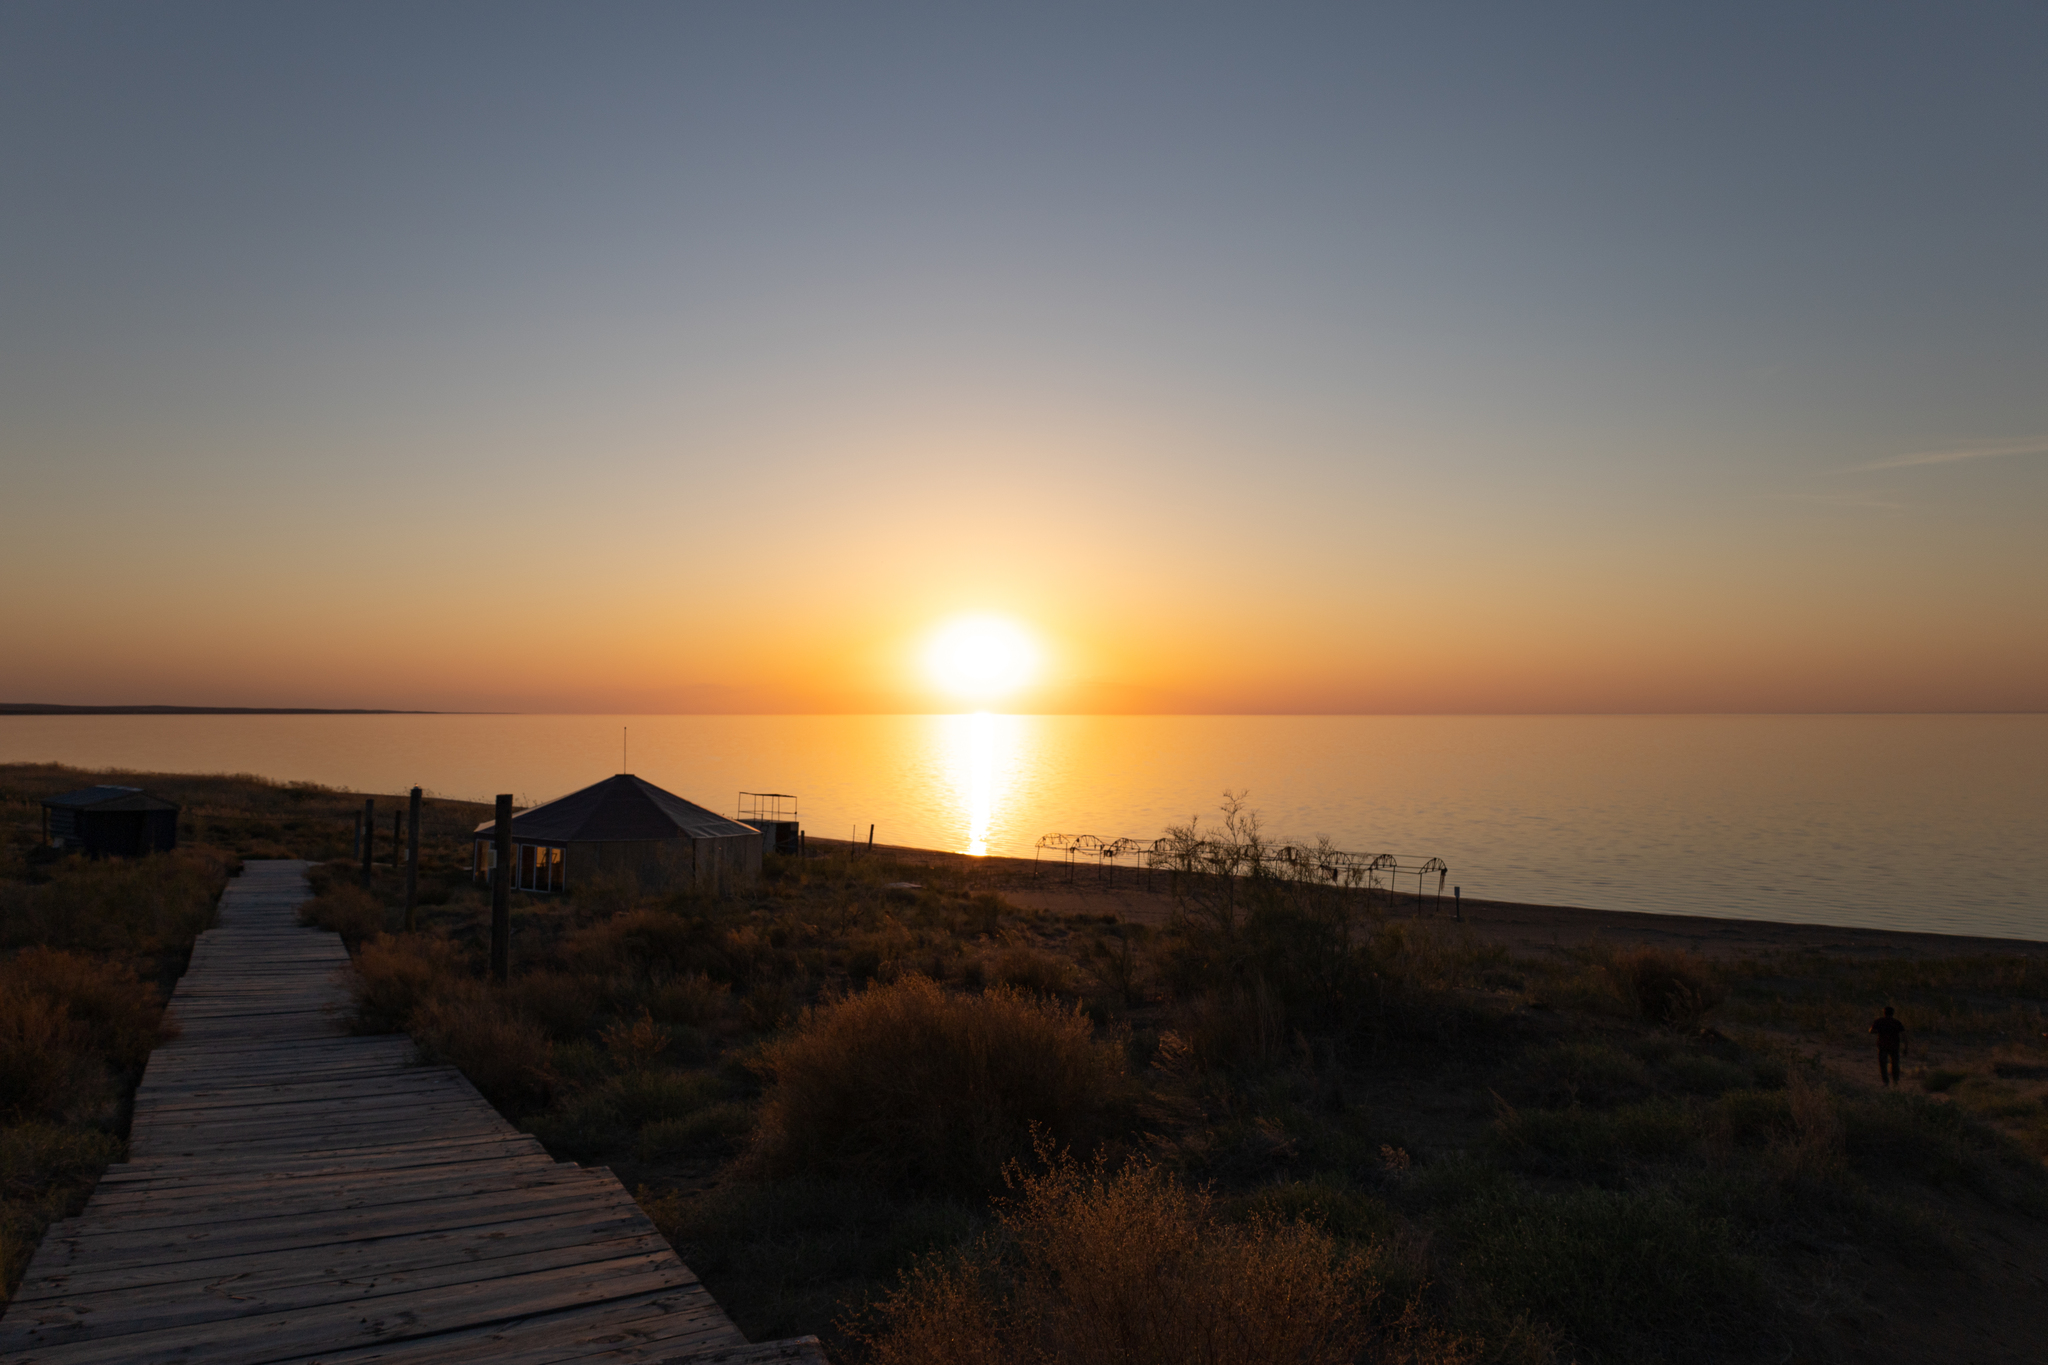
[1297, 361]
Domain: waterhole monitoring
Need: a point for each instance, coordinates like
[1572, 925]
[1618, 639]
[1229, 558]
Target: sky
[1254, 358]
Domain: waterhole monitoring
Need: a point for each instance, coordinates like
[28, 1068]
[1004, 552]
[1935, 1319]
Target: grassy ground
[1590, 1154]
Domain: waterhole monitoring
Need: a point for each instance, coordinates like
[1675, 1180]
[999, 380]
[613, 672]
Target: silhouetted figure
[1891, 1042]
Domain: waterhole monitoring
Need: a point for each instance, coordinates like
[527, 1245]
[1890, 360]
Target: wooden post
[871, 840]
[1458, 903]
[412, 862]
[501, 894]
[369, 837]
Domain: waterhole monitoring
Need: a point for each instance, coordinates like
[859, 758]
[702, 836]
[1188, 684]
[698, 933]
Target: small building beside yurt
[623, 824]
[110, 822]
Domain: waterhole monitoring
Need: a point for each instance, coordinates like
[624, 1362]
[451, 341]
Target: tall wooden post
[369, 837]
[412, 862]
[501, 894]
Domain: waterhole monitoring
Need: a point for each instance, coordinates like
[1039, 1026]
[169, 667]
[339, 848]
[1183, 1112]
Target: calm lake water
[1899, 822]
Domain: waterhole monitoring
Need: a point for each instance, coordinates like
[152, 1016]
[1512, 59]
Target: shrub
[1662, 986]
[1030, 971]
[636, 1043]
[504, 1056]
[915, 1088]
[643, 1097]
[1814, 1148]
[147, 906]
[1134, 1268]
[59, 1166]
[394, 976]
[347, 910]
[694, 1000]
[1704, 1075]
[41, 1068]
[1624, 1276]
[1938, 1079]
[715, 1128]
[605, 894]
[112, 1013]
[559, 1002]
[1585, 1069]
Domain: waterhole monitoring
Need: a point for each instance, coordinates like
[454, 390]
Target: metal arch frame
[1346, 868]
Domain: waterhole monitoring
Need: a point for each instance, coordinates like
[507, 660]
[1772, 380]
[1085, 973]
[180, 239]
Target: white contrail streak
[2036, 446]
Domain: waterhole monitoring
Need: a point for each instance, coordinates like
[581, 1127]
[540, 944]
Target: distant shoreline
[32, 708]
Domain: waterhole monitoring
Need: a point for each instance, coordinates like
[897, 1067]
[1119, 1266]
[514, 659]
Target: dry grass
[396, 974]
[1131, 1267]
[347, 910]
[141, 907]
[917, 1088]
[467, 1024]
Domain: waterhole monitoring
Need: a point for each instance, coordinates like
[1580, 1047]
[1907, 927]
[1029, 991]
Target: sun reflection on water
[982, 756]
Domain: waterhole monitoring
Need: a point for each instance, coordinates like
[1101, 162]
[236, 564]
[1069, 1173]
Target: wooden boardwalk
[296, 1194]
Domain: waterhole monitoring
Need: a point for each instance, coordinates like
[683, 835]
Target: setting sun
[982, 657]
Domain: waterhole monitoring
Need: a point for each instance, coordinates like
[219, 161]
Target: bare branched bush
[1131, 1267]
[912, 1087]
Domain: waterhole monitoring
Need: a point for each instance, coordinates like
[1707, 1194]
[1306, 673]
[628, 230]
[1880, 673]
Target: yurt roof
[623, 809]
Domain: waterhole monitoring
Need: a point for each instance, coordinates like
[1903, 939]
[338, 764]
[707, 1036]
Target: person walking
[1891, 1045]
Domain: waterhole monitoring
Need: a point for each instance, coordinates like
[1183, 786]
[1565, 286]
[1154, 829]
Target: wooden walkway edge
[294, 1194]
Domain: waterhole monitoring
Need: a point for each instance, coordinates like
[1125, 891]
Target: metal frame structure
[766, 806]
[1369, 872]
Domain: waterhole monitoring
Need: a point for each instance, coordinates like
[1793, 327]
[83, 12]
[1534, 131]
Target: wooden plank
[242, 1186]
[638, 1328]
[343, 1262]
[227, 1297]
[266, 1337]
[323, 1199]
[792, 1351]
[278, 1235]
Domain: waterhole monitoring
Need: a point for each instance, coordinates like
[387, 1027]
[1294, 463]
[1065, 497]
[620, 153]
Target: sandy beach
[1132, 894]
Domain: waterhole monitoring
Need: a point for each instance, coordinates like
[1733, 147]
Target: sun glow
[982, 657]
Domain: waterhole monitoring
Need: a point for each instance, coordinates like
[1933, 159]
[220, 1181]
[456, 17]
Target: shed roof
[108, 798]
[620, 808]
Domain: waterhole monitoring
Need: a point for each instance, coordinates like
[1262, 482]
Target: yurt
[623, 824]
